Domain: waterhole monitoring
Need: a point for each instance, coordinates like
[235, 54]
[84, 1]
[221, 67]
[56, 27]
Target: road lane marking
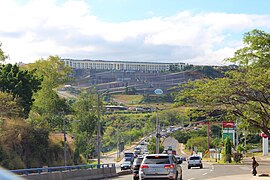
[245, 168]
[204, 174]
[191, 178]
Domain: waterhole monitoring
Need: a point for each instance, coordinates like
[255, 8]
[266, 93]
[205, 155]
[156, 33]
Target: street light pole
[158, 92]
[118, 144]
[65, 143]
[98, 132]
[157, 134]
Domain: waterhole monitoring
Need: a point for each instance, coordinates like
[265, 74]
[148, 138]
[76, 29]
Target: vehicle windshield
[195, 158]
[129, 154]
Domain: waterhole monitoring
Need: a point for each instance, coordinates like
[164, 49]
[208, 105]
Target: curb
[122, 173]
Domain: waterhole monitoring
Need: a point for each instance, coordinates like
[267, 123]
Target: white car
[160, 166]
[195, 161]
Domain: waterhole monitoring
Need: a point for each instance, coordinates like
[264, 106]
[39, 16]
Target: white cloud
[42, 28]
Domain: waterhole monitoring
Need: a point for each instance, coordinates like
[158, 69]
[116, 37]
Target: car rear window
[129, 154]
[139, 161]
[195, 158]
[157, 160]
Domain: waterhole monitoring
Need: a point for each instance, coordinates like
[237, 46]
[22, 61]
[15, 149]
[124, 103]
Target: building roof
[135, 62]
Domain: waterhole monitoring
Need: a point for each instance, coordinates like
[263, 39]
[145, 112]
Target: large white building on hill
[121, 65]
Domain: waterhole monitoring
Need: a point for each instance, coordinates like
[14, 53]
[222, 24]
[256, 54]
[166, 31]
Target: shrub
[237, 157]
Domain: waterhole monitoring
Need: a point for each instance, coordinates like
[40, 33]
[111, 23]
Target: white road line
[191, 178]
[245, 168]
[204, 174]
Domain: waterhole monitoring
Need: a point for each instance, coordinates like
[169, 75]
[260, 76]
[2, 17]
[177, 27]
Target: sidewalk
[264, 164]
[240, 177]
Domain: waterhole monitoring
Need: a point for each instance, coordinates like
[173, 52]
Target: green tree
[199, 142]
[86, 111]
[48, 110]
[244, 92]
[48, 107]
[53, 71]
[9, 107]
[256, 50]
[227, 150]
[3, 57]
[182, 136]
[20, 83]
[152, 146]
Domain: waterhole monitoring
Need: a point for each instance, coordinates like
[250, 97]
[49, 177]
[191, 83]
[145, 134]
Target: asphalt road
[211, 172]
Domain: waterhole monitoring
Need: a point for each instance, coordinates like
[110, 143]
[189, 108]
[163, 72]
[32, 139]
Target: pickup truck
[195, 161]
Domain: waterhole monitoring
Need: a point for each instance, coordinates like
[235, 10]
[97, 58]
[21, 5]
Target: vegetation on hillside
[32, 113]
[244, 92]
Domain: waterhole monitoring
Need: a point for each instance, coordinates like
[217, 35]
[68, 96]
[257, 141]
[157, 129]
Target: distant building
[121, 65]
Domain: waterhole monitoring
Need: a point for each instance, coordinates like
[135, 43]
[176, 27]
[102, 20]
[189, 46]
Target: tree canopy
[52, 70]
[48, 108]
[244, 92]
[3, 57]
[20, 83]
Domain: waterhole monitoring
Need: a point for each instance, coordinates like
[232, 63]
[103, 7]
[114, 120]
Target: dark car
[136, 166]
[129, 156]
[126, 165]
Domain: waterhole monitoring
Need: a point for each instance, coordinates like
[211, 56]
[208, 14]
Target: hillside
[137, 82]
[22, 146]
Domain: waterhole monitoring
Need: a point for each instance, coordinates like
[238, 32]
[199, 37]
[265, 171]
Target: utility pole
[117, 145]
[245, 141]
[157, 92]
[208, 136]
[157, 134]
[65, 142]
[98, 132]
[236, 134]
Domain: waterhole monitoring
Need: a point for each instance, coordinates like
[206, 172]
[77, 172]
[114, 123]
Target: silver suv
[165, 166]
[195, 161]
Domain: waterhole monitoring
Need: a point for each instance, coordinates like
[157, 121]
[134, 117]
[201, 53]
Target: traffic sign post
[264, 143]
[228, 131]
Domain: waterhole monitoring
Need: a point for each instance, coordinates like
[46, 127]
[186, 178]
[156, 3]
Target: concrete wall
[75, 174]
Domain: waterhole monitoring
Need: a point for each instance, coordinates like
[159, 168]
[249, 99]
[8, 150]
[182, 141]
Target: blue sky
[202, 32]
[125, 10]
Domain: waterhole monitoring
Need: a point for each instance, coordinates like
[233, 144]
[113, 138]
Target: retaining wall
[83, 174]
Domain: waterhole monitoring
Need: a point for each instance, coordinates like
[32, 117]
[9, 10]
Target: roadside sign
[158, 91]
[228, 124]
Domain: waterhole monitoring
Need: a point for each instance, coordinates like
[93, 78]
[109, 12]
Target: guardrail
[95, 171]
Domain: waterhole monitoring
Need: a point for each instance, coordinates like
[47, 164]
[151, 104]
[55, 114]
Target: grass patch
[128, 99]
[120, 158]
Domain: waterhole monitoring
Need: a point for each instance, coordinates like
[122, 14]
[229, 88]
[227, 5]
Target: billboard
[228, 131]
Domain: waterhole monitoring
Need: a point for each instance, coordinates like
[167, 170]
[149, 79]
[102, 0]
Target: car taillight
[171, 166]
[143, 166]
